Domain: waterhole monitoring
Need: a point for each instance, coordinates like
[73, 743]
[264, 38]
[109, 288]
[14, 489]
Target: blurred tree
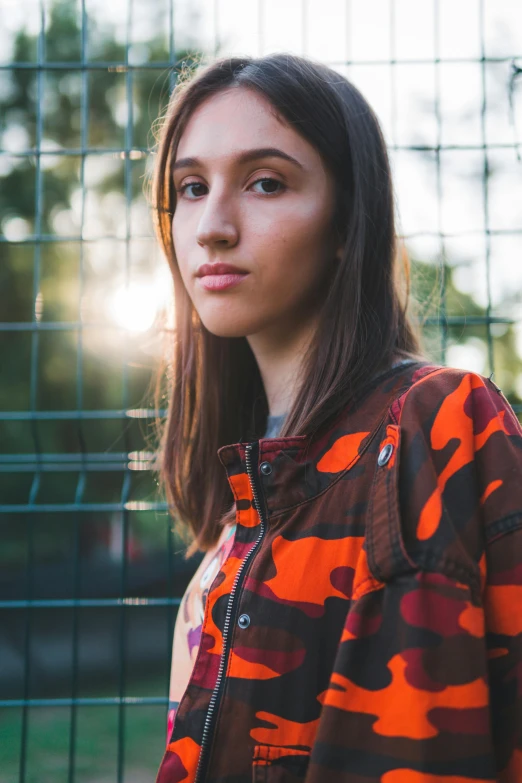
[76, 110]
[436, 297]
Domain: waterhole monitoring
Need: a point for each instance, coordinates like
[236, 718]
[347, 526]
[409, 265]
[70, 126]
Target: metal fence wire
[91, 574]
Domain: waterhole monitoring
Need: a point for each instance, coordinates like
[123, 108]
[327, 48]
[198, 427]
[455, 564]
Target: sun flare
[134, 307]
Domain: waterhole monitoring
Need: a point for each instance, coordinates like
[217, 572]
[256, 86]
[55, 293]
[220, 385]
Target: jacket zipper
[231, 606]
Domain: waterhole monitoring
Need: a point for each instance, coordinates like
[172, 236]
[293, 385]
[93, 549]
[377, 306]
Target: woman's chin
[226, 328]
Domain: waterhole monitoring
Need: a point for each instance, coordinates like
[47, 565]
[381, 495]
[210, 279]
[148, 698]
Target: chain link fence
[91, 574]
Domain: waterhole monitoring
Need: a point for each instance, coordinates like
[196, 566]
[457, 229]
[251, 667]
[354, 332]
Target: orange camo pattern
[180, 760]
[402, 710]
[210, 628]
[410, 776]
[263, 663]
[268, 759]
[448, 613]
[500, 602]
[491, 487]
[283, 732]
[240, 485]
[290, 582]
[344, 451]
[453, 422]
[364, 581]
[185, 747]
[271, 763]
[385, 603]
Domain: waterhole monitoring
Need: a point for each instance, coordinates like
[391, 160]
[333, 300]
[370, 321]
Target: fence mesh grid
[77, 98]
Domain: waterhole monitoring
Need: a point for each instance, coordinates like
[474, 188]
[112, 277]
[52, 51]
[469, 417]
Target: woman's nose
[217, 224]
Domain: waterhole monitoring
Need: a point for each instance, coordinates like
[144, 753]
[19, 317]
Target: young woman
[357, 615]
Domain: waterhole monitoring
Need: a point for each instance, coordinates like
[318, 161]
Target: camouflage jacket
[366, 626]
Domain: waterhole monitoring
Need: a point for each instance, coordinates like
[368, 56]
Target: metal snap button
[265, 468]
[385, 454]
[243, 621]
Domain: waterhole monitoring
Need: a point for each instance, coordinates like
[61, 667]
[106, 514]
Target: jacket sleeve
[503, 614]
[427, 682]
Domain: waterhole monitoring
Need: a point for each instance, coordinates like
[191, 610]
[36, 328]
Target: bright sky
[406, 98]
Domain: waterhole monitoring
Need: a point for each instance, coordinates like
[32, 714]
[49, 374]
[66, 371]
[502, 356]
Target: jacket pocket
[274, 764]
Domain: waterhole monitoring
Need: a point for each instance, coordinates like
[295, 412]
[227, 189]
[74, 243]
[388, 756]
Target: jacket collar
[303, 466]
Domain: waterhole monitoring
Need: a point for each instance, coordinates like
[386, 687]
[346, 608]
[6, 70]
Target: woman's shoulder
[460, 468]
[452, 397]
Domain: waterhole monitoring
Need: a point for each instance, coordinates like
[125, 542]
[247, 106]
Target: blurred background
[90, 572]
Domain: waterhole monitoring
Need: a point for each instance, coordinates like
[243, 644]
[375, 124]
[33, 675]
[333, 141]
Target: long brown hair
[215, 394]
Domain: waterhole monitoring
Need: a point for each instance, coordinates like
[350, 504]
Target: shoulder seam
[436, 371]
[405, 388]
[400, 400]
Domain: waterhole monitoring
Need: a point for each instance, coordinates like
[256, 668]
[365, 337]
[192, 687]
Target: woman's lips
[220, 282]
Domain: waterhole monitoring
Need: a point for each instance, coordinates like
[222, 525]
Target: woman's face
[268, 214]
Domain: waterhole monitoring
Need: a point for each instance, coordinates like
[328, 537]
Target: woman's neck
[280, 360]
[280, 357]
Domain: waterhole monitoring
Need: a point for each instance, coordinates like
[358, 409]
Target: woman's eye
[183, 188]
[268, 185]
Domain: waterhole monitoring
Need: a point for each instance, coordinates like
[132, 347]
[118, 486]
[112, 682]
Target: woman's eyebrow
[245, 157]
